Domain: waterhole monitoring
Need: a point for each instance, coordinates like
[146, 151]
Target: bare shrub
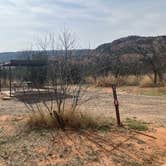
[40, 120]
[64, 88]
[71, 119]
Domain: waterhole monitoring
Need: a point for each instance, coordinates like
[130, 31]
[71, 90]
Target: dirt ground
[151, 109]
[113, 147]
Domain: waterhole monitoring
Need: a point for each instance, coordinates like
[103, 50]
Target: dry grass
[147, 81]
[101, 81]
[107, 81]
[74, 120]
[153, 91]
[40, 120]
[131, 80]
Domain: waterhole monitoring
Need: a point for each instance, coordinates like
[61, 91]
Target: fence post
[0, 79]
[10, 80]
[116, 103]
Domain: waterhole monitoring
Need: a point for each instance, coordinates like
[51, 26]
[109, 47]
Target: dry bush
[130, 80]
[147, 81]
[40, 120]
[101, 81]
[64, 81]
[107, 81]
[90, 80]
[71, 119]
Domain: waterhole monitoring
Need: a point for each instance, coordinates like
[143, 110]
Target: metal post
[0, 80]
[10, 80]
[116, 103]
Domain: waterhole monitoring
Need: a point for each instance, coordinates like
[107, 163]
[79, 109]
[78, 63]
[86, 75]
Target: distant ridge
[125, 44]
[129, 43]
[7, 56]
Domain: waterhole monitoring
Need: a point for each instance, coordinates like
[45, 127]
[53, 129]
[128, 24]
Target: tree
[154, 56]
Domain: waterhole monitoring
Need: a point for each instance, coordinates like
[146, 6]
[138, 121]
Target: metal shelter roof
[26, 63]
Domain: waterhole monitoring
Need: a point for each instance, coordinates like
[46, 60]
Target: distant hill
[122, 46]
[134, 55]
[130, 44]
[7, 56]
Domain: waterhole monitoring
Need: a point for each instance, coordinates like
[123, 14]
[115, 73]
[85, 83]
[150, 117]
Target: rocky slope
[131, 44]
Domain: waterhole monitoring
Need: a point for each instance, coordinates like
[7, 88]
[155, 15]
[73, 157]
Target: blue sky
[92, 21]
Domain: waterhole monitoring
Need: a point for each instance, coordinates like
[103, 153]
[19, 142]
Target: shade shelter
[19, 63]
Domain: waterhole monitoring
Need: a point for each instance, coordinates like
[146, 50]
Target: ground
[110, 147]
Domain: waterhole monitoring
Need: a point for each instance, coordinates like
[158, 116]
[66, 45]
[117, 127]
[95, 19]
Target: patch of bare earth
[113, 147]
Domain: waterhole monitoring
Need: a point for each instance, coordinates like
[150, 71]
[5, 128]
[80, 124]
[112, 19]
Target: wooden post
[116, 103]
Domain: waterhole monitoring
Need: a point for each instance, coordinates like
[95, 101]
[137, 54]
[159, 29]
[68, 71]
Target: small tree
[154, 57]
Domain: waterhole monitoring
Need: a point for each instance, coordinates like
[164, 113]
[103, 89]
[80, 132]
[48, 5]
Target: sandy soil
[114, 147]
[151, 109]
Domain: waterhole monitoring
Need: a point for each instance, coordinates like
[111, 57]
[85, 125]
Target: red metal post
[0, 80]
[10, 80]
[116, 103]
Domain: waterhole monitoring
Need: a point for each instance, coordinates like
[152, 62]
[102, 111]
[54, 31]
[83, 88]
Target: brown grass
[75, 120]
[131, 80]
[153, 91]
[107, 81]
[101, 81]
[40, 120]
[147, 81]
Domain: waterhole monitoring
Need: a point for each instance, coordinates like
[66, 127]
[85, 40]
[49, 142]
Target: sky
[92, 21]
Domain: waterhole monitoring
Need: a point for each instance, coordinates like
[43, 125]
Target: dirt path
[116, 147]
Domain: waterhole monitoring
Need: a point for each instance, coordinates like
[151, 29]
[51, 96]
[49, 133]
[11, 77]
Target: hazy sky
[93, 21]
